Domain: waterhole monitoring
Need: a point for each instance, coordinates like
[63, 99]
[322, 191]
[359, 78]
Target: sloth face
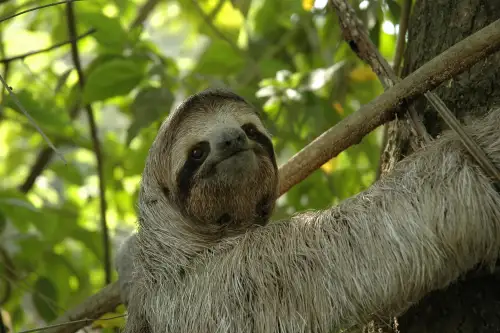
[224, 173]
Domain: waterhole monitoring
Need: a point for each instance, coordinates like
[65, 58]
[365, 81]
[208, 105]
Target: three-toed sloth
[206, 259]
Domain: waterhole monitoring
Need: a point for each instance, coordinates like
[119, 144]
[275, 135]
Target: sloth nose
[232, 139]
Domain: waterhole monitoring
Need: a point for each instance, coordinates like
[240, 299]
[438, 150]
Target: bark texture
[472, 304]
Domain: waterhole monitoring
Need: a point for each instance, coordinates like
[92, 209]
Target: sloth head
[213, 162]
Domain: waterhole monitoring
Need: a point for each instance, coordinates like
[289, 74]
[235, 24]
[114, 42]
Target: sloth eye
[250, 130]
[198, 152]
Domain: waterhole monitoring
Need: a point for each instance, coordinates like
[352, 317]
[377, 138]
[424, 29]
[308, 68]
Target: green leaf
[62, 80]
[113, 78]
[44, 298]
[90, 239]
[219, 58]
[242, 5]
[375, 33]
[21, 212]
[59, 29]
[150, 104]
[42, 109]
[31, 251]
[394, 9]
[60, 269]
[74, 95]
[3, 222]
[68, 172]
[109, 32]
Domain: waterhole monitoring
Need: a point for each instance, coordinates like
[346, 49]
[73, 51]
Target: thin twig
[70, 14]
[50, 48]
[398, 56]
[32, 121]
[357, 37]
[215, 11]
[9, 16]
[6, 68]
[360, 42]
[93, 307]
[353, 128]
[84, 321]
[470, 144]
[209, 21]
[143, 13]
[344, 134]
[401, 41]
[44, 158]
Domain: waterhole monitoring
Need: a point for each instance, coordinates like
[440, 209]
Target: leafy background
[286, 57]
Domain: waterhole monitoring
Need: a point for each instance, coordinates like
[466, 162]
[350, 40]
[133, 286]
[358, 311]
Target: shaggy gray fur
[226, 196]
[124, 264]
[417, 230]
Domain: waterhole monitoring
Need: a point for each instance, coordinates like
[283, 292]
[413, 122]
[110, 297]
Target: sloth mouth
[232, 154]
[211, 170]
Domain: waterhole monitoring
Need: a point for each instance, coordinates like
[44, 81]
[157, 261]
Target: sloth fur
[211, 174]
[435, 217]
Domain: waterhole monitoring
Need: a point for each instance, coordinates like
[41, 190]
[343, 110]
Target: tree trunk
[472, 304]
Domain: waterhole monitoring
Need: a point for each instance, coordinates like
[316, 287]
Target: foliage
[286, 57]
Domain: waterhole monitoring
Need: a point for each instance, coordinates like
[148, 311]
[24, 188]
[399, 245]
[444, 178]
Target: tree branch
[50, 48]
[92, 308]
[347, 132]
[401, 41]
[398, 56]
[359, 41]
[70, 14]
[353, 128]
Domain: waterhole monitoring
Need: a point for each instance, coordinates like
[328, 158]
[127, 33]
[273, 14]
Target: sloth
[432, 219]
[210, 174]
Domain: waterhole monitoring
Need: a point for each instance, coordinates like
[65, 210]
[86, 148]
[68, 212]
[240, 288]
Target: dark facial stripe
[264, 209]
[266, 143]
[224, 219]
[188, 170]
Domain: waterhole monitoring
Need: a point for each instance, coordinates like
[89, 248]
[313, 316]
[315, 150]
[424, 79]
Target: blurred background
[139, 59]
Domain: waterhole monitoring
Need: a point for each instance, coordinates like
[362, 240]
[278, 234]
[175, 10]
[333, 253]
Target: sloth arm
[417, 230]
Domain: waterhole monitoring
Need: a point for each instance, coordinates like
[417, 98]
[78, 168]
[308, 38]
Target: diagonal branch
[353, 128]
[47, 49]
[346, 133]
[70, 14]
[93, 307]
[359, 41]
